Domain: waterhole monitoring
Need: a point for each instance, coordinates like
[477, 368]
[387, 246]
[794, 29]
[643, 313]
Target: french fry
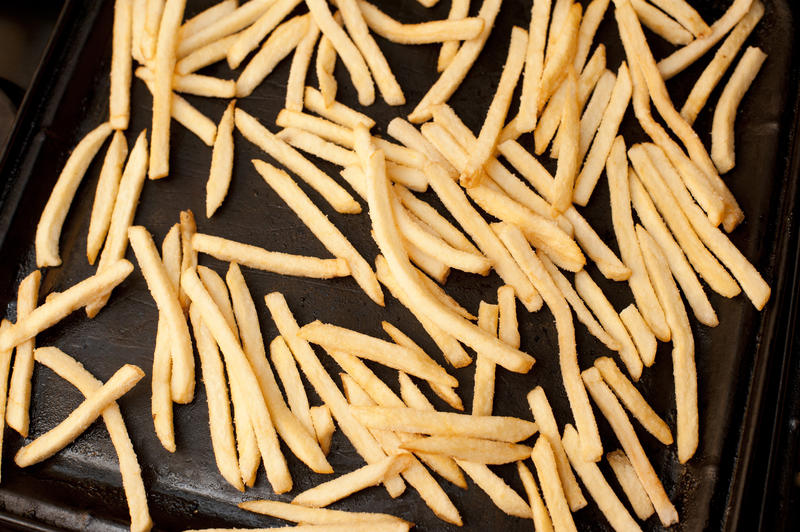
[324, 66]
[546, 421]
[292, 384]
[323, 426]
[454, 74]
[19, 388]
[280, 44]
[219, 178]
[508, 326]
[291, 159]
[596, 300]
[413, 139]
[596, 484]
[73, 372]
[207, 17]
[474, 450]
[196, 84]
[219, 406]
[631, 486]
[592, 17]
[52, 441]
[541, 519]
[188, 228]
[568, 162]
[429, 264]
[561, 52]
[105, 195]
[138, 14]
[351, 57]
[336, 112]
[55, 211]
[64, 303]
[251, 36]
[496, 115]
[434, 31]
[683, 57]
[545, 463]
[188, 116]
[640, 332]
[722, 151]
[314, 516]
[311, 143]
[686, 15]
[534, 66]
[483, 392]
[295, 86]
[498, 491]
[567, 354]
[661, 24]
[459, 9]
[205, 55]
[622, 427]
[155, 8]
[242, 17]
[722, 60]
[119, 98]
[593, 114]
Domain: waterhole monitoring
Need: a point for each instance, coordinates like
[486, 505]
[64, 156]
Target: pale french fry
[568, 162]
[686, 15]
[250, 37]
[335, 111]
[161, 401]
[138, 14]
[324, 66]
[483, 392]
[567, 354]
[498, 491]
[622, 220]
[545, 462]
[301, 443]
[722, 60]
[596, 300]
[188, 228]
[219, 178]
[603, 140]
[684, 370]
[541, 518]
[534, 66]
[546, 421]
[596, 484]
[559, 14]
[323, 426]
[429, 264]
[105, 195]
[311, 143]
[413, 139]
[73, 372]
[454, 73]
[280, 44]
[680, 267]
[219, 406]
[581, 312]
[196, 84]
[459, 9]
[622, 427]
[155, 9]
[64, 303]
[359, 436]
[188, 116]
[314, 516]
[496, 115]
[640, 332]
[474, 450]
[660, 23]
[593, 114]
[205, 55]
[351, 57]
[561, 52]
[242, 17]
[406, 176]
[166, 298]
[5, 363]
[291, 159]
[508, 326]
[631, 486]
[119, 99]
[292, 384]
[207, 17]
[295, 86]
[722, 136]
[683, 57]
[78, 421]
[19, 388]
[433, 31]
[55, 211]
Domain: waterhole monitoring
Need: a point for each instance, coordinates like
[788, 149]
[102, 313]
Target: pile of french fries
[569, 100]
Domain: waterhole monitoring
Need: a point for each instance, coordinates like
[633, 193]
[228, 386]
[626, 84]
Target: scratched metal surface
[80, 488]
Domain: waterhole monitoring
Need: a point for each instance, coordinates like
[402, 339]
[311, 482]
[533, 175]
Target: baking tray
[741, 363]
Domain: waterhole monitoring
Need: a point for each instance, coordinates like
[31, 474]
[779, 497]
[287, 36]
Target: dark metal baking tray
[740, 363]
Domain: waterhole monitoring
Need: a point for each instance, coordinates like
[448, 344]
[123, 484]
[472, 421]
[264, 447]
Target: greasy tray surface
[80, 487]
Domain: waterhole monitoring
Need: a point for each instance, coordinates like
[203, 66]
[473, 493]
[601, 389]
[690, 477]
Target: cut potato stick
[55, 211]
[155, 8]
[545, 462]
[508, 326]
[325, 65]
[161, 401]
[434, 31]
[406, 176]
[19, 388]
[242, 17]
[631, 486]
[335, 111]
[471, 449]
[684, 370]
[462, 62]
[311, 143]
[413, 139]
[72, 371]
[496, 115]
[459, 9]
[296, 396]
[300, 442]
[567, 354]
[483, 392]
[534, 66]
[429, 264]
[686, 15]
[596, 300]
[319, 224]
[119, 99]
[501, 494]
[581, 312]
[207, 17]
[559, 14]
[78, 421]
[359, 436]
[271, 261]
[603, 140]
[660, 23]
[60, 305]
[205, 55]
[323, 426]
[680, 267]
[188, 228]
[546, 421]
[596, 484]
[622, 219]
[445, 393]
[219, 406]
[541, 518]
[633, 400]
[561, 52]
[593, 114]
[680, 59]
[251, 36]
[568, 162]
[219, 178]
[280, 44]
[105, 195]
[436, 221]
[722, 60]
[188, 116]
[592, 17]
[613, 412]
[722, 135]
[366, 380]
[351, 57]
[315, 516]
[640, 332]
[295, 86]
[329, 189]
[196, 84]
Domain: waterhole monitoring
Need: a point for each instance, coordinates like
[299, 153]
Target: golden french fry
[251, 36]
[474, 450]
[541, 518]
[119, 98]
[592, 17]
[296, 396]
[155, 9]
[545, 462]
[196, 84]
[314, 516]
[640, 332]
[205, 55]
[631, 486]
[534, 66]
[498, 491]
[324, 66]
[207, 17]
[434, 31]
[508, 328]
[561, 52]
[161, 401]
[138, 14]
[299, 68]
[661, 24]
[568, 162]
[336, 112]
[219, 178]
[686, 15]
[323, 426]
[593, 114]
[459, 9]
[413, 139]
[483, 392]
[105, 195]
[244, 16]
